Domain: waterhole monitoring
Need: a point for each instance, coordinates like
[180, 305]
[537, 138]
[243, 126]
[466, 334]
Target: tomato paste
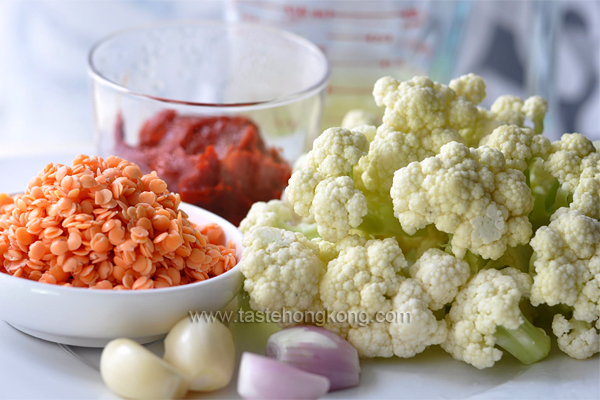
[218, 163]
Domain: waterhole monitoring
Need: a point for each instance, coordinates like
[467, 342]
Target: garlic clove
[130, 370]
[203, 350]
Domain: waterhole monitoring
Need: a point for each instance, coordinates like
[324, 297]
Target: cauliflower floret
[337, 207]
[392, 150]
[363, 278]
[440, 274]
[275, 213]
[300, 191]
[506, 110]
[329, 250]
[519, 145]
[373, 340]
[420, 329]
[282, 270]
[486, 313]
[355, 118]
[535, 108]
[580, 340]
[412, 330]
[567, 264]
[509, 108]
[566, 159]
[420, 103]
[336, 151]
[468, 193]
[470, 86]
[321, 189]
[574, 161]
[368, 130]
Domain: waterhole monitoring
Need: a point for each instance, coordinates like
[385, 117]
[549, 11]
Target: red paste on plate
[218, 163]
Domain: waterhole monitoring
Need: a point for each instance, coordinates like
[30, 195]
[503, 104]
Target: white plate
[31, 368]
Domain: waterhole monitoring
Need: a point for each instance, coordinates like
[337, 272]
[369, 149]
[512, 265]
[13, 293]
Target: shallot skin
[319, 351]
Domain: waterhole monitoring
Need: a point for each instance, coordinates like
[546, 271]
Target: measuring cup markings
[301, 12]
[364, 42]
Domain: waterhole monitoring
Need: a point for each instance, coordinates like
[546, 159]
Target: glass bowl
[220, 110]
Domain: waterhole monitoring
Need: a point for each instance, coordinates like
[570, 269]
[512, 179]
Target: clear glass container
[365, 40]
[164, 94]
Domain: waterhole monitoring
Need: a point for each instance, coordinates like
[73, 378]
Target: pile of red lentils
[102, 224]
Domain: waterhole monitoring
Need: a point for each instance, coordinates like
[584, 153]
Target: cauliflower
[535, 108]
[282, 270]
[391, 150]
[336, 151]
[440, 274]
[578, 339]
[420, 117]
[420, 103]
[356, 118]
[368, 130]
[363, 278]
[337, 207]
[575, 163]
[486, 313]
[321, 189]
[329, 250]
[413, 329]
[300, 191]
[468, 193]
[428, 219]
[548, 194]
[519, 145]
[416, 245]
[485, 122]
[567, 266]
[367, 279]
[276, 214]
[471, 86]
[506, 110]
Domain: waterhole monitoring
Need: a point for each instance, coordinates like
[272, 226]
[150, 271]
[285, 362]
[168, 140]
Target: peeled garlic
[131, 370]
[203, 350]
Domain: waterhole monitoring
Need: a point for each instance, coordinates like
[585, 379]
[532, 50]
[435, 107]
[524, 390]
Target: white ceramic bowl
[92, 318]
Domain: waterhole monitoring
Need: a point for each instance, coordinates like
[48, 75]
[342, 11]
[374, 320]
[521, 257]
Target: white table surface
[31, 368]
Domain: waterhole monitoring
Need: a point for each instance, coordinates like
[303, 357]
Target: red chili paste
[218, 163]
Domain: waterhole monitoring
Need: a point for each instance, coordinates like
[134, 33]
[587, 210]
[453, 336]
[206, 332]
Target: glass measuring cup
[365, 40]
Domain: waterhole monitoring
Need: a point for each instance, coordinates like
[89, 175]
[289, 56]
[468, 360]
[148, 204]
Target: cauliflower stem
[528, 343]
[380, 220]
[308, 230]
[548, 194]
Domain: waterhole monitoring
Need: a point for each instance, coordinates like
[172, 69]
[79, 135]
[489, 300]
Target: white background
[45, 104]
